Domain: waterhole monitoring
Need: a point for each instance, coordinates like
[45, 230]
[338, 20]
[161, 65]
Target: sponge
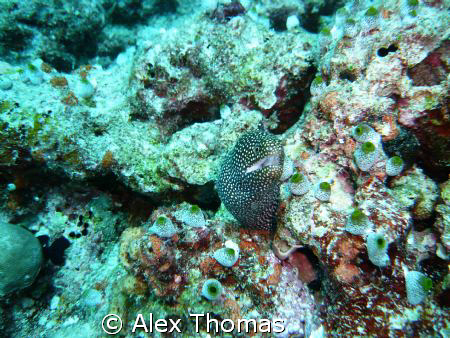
[323, 191]
[418, 286]
[394, 166]
[377, 247]
[365, 156]
[358, 223]
[163, 227]
[299, 184]
[212, 289]
[193, 217]
[364, 133]
[20, 258]
[228, 255]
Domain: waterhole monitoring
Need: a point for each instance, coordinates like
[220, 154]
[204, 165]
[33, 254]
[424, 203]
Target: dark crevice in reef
[205, 196]
[141, 205]
[406, 145]
[331, 6]
[292, 95]
[437, 269]
[433, 69]
[137, 12]
[15, 39]
[347, 75]
[54, 250]
[423, 224]
[34, 180]
[311, 17]
[316, 284]
[434, 136]
[279, 16]
[427, 146]
[193, 112]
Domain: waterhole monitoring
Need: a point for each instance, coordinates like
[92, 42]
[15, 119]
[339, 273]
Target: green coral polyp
[318, 80]
[413, 3]
[364, 133]
[163, 227]
[377, 248]
[227, 256]
[230, 251]
[368, 148]
[32, 67]
[299, 184]
[381, 243]
[325, 31]
[426, 283]
[325, 186]
[397, 161]
[361, 130]
[323, 191]
[394, 166]
[358, 217]
[195, 209]
[297, 178]
[358, 223]
[372, 11]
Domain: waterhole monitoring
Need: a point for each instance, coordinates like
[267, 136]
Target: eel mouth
[268, 161]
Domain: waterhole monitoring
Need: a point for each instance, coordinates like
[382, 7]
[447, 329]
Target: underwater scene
[224, 168]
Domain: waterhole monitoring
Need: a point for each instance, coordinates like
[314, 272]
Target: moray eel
[249, 180]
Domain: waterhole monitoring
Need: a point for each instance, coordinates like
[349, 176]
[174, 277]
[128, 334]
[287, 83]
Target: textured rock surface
[417, 192]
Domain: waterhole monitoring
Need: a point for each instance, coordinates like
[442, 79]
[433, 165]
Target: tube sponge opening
[365, 156]
[163, 227]
[358, 223]
[377, 247]
[193, 217]
[323, 191]
[299, 184]
[212, 289]
[228, 255]
[418, 286]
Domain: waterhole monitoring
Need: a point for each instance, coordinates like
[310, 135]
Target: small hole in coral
[55, 252]
[382, 52]
[346, 75]
[392, 48]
